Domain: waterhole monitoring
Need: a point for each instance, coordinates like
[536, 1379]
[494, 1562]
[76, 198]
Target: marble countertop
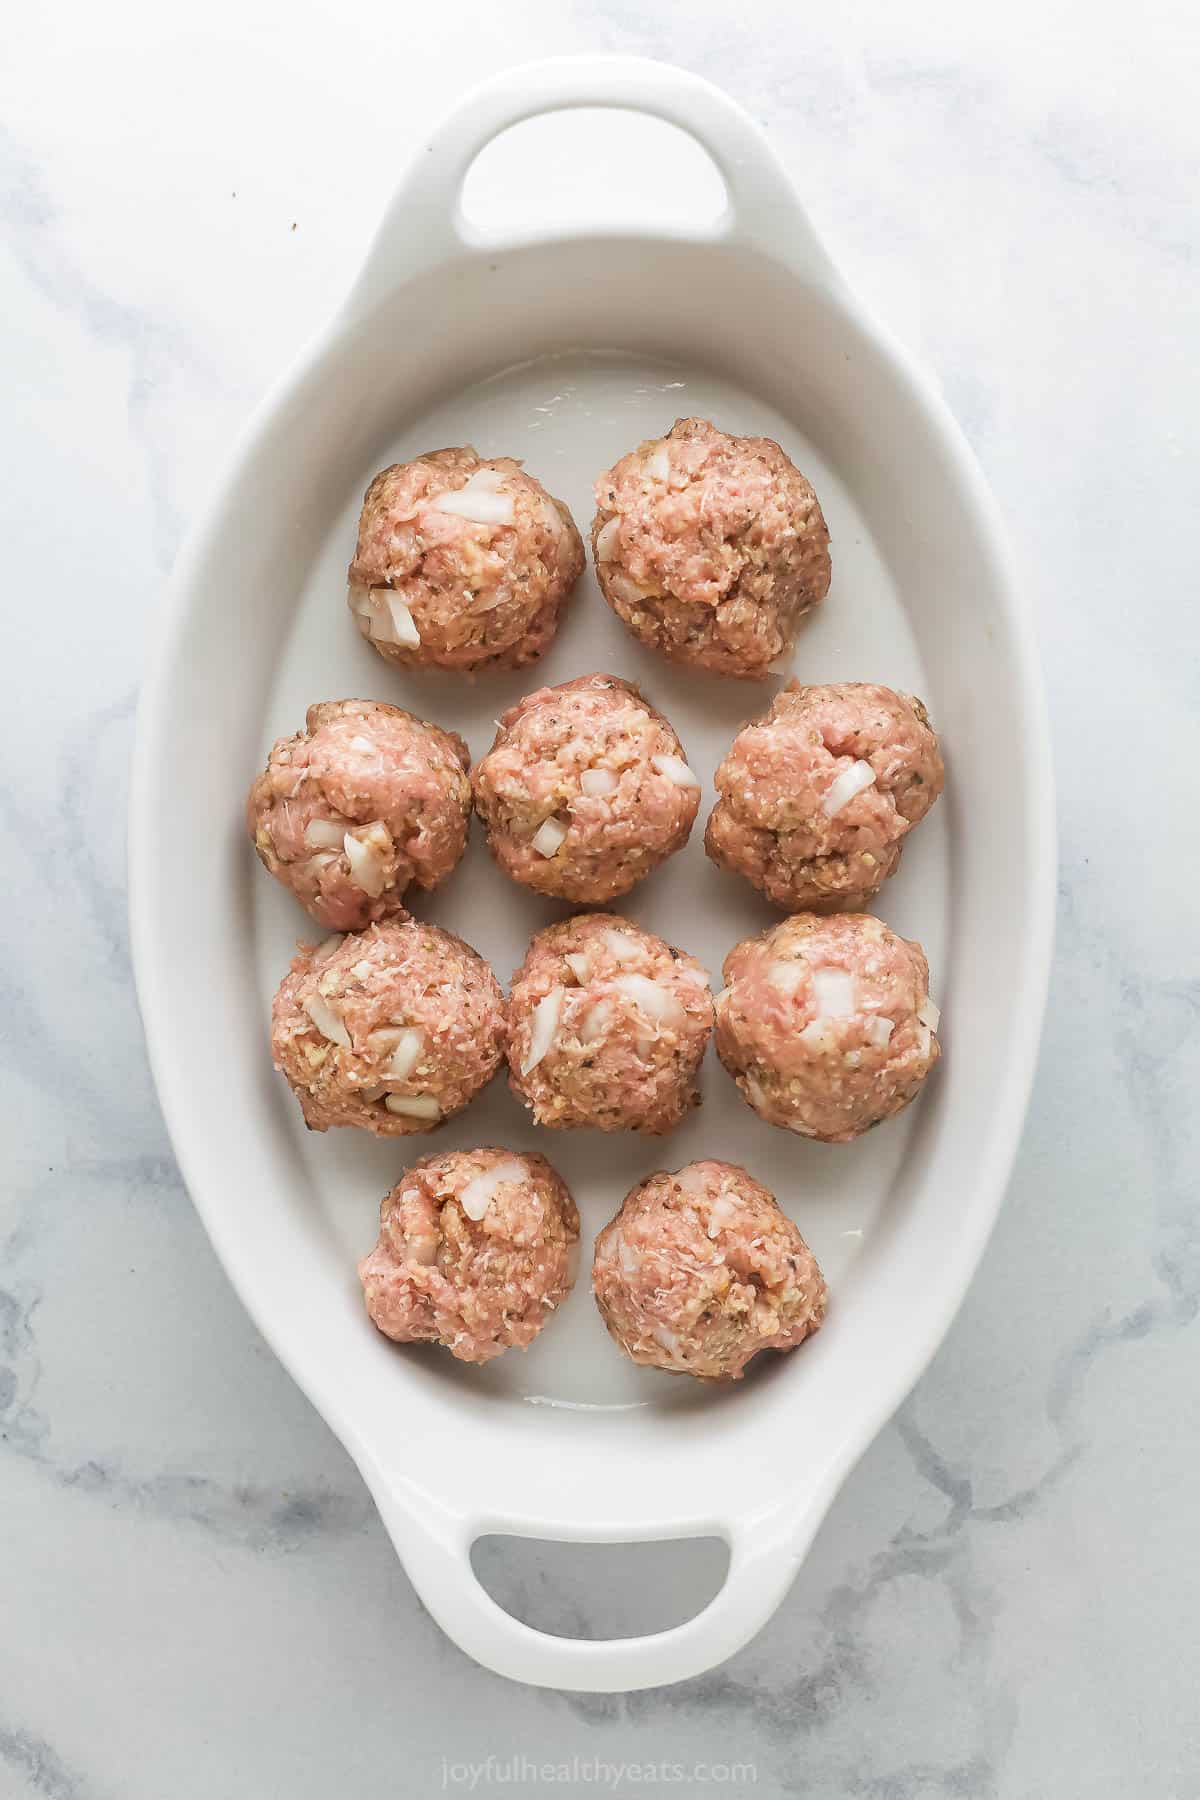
[198, 1599]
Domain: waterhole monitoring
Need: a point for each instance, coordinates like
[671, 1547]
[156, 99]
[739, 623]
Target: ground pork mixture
[710, 548]
[585, 790]
[476, 1250]
[363, 802]
[392, 1029]
[462, 563]
[701, 1270]
[826, 1024]
[816, 796]
[607, 1027]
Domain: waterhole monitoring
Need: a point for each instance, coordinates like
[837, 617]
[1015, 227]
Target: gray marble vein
[197, 1599]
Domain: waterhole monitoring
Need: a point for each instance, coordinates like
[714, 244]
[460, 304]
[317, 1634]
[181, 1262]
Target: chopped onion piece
[549, 837]
[579, 966]
[543, 1028]
[482, 1189]
[627, 590]
[402, 622]
[627, 1256]
[785, 977]
[323, 834]
[479, 500]
[364, 744]
[929, 1014]
[676, 770]
[366, 865]
[595, 1021]
[836, 992]
[378, 615]
[621, 946]
[326, 1021]
[652, 1000]
[722, 1213]
[818, 1035]
[690, 1180]
[486, 480]
[606, 539]
[597, 781]
[326, 949]
[925, 1040]
[359, 599]
[879, 1031]
[413, 1106]
[388, 619]
[658, 466]
[405, 1056]
[666, 1338]
[845, 786]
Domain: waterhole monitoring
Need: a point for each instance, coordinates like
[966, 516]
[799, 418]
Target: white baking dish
[566, 350]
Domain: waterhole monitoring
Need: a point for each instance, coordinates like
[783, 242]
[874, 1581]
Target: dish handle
[425, 224]
[435, 1549]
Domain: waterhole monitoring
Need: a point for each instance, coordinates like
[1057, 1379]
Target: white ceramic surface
[449, 336]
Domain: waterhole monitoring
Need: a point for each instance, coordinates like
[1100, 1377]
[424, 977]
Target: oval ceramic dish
[567, 349]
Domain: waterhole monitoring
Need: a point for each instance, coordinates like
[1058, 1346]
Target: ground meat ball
[817, 795]
[585, 790]
[462, 563]
[364, 801]
[475, 1250]
[607, 1027]
[392, 1029]
[710, 547]
[701, 1270]
[826, 1024]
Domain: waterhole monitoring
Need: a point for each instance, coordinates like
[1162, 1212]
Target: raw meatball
[607, 1027]
[817, 795]
[710, 547]
[826, 1024]
[364, 801]
[392, 1029]
[585, 790]
[462, 563]
[701, 1270]
[475, 1250]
